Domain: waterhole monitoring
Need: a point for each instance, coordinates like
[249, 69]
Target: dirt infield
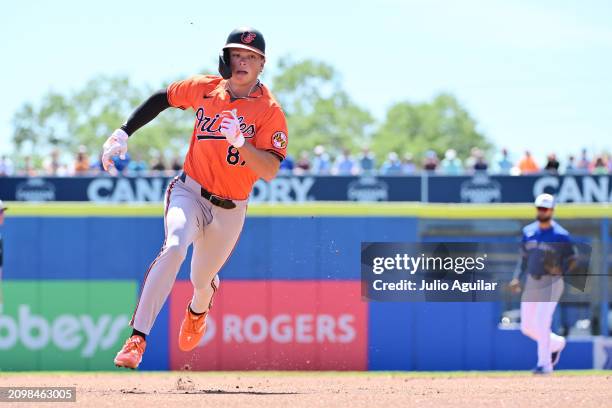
[310, 390]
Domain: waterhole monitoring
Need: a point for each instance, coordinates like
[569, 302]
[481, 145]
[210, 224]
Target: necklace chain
[234, 93]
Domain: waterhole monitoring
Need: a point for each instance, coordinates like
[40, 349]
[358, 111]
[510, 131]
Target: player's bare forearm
[264, 163]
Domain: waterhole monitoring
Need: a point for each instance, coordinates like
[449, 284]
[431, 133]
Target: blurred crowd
[322, 162]
[503, 162]
[82, 164]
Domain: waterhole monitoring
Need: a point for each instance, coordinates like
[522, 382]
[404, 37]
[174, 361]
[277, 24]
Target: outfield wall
[424, 187]
[289, 299]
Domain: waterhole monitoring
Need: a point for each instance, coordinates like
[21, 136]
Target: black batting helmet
[246, 38]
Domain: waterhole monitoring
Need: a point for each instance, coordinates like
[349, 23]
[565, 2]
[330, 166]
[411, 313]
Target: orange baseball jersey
[211, 160]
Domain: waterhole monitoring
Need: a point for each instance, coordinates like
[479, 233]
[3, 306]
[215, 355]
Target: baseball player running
[547, 253]
[239, 136]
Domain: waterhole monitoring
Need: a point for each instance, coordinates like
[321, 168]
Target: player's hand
[230, 128]
[515, 286]
[115, 145]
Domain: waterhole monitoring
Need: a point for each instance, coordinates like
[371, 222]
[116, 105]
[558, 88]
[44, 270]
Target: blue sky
[534, 75]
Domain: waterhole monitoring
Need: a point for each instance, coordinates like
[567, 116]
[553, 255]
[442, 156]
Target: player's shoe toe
[192, 330]
[541, 370]
[131, 353]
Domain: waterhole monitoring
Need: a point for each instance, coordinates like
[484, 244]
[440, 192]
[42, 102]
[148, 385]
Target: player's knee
[527, 328]
[176, 251]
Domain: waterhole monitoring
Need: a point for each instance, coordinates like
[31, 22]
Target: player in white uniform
[546, 254]
[239, 136]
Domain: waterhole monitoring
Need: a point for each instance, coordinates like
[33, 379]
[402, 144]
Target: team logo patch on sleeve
[279, 140]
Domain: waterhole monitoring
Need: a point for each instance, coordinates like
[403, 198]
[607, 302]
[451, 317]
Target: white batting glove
[115, 145]
[230, 128]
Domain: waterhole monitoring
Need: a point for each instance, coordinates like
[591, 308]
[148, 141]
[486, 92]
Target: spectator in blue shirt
[344, 164]
[504, 164]
[392, 166]
[137, 166]
[408, 165]
[451, 164]
[366, 161]
[320, 163]
[570, 167]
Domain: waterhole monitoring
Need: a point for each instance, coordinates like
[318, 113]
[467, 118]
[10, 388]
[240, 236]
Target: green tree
[46, 125]
[318, 109]
[88, 116]
[437, 125]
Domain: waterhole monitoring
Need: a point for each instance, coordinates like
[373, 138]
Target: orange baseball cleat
[192, 330]
[131, 353]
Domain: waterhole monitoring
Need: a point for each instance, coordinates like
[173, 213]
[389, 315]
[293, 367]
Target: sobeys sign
[67, 325]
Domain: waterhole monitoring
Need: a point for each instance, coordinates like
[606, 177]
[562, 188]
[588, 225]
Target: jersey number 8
[233, 156]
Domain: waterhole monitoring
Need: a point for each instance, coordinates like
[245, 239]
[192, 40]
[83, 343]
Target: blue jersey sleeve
[521, 265]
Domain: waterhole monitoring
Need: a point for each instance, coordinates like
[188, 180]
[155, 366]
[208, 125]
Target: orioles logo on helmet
[248, 37]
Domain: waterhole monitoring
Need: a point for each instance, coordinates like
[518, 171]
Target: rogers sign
[276, 325]
[283, 328]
